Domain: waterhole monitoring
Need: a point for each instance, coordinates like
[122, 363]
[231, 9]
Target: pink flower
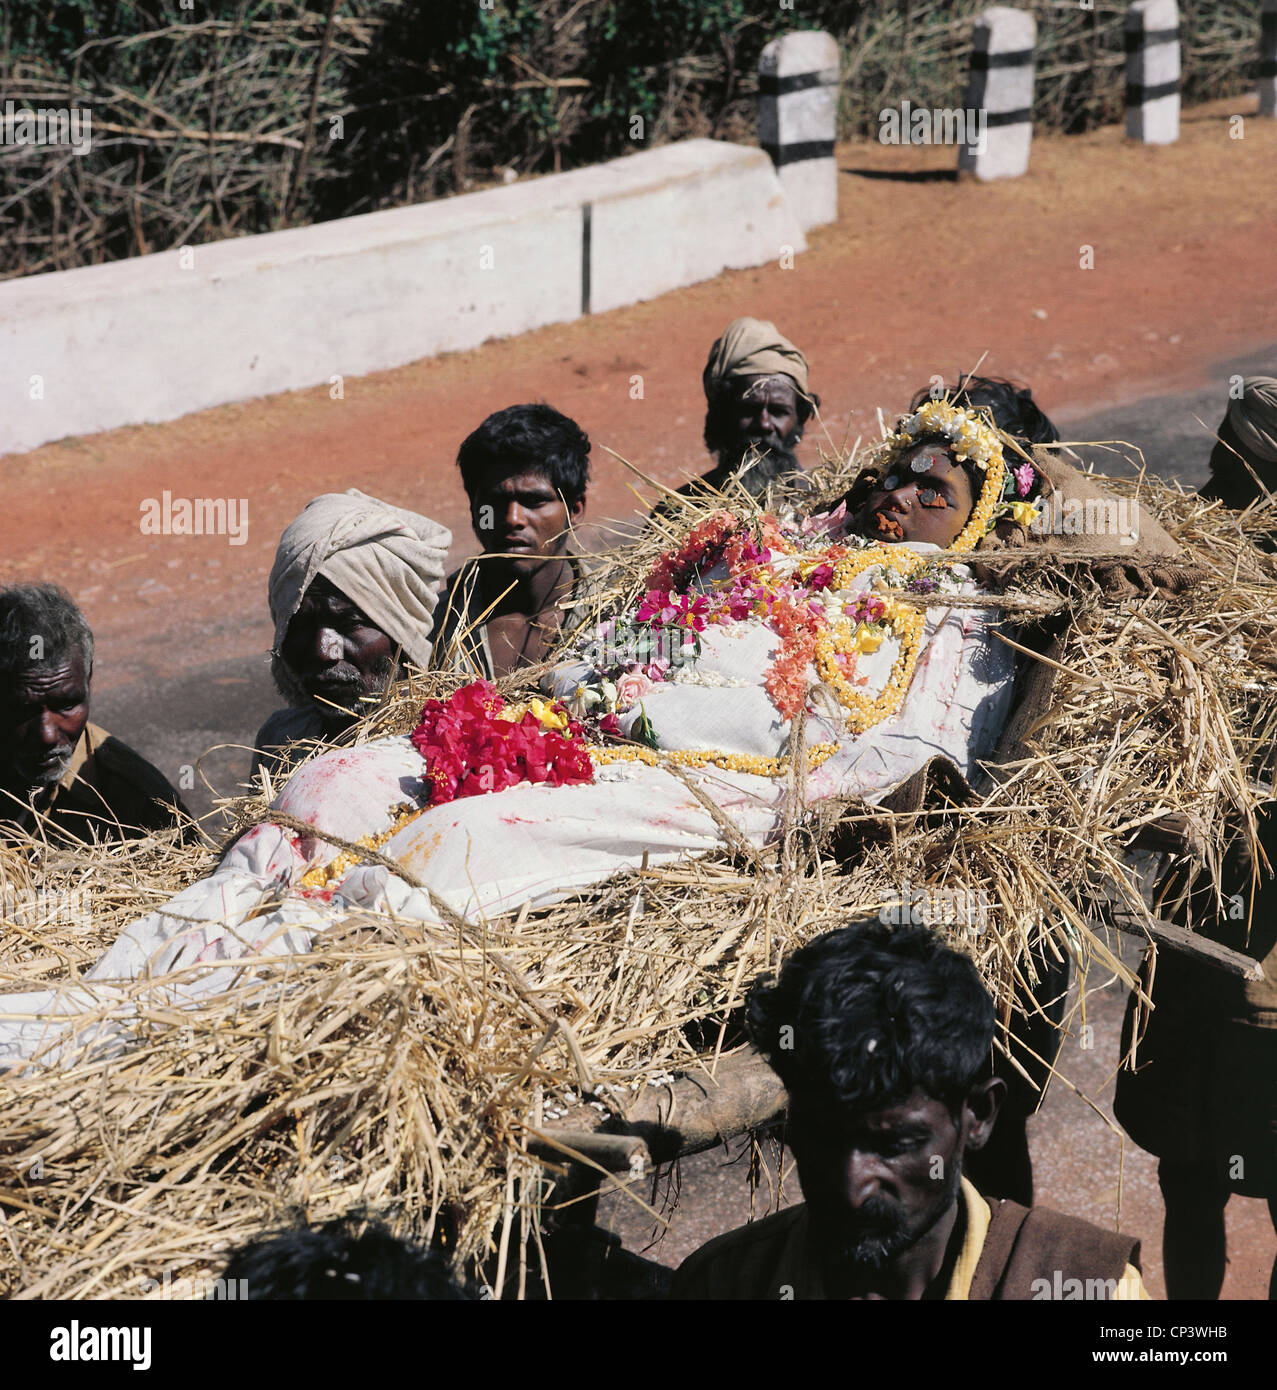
[1025, 477]
[631, 687]
[825, 523]
[821, 577]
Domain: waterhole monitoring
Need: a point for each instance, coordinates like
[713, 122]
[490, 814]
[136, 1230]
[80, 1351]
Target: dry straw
[407, 1068]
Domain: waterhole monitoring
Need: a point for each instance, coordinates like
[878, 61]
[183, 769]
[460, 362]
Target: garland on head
[1012, 493]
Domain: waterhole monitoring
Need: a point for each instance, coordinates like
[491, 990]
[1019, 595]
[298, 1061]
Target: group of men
[892, 1095]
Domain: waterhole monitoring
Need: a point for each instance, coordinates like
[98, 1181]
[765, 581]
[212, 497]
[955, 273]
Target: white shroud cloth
[534, 844]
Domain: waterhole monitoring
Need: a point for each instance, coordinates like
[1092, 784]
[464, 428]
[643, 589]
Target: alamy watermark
[167, 515]
[921, 125]
[1091, 516]
[938, 907]
[71, 126]
[42, 907]
[190, 1289]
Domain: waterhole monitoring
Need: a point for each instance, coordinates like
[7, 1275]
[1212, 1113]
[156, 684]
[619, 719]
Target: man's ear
[980, 1110]
[576, 511]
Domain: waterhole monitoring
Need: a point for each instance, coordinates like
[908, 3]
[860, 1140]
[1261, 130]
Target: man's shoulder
[127, 782]
[1037, 1253]
[742, 1264]
[280, 731]
[285, 725]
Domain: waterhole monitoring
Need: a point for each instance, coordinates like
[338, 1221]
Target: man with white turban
[1246, 453]
[758, 405]
[352, 595]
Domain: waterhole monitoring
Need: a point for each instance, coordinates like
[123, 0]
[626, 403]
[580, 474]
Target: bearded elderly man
[61, 777]
[352, 595]
[882, 1038]
[757, 406]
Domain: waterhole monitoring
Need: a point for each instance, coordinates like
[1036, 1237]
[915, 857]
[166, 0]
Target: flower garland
[318, 878]
[756, 763]
[864, 711]
[472, 744]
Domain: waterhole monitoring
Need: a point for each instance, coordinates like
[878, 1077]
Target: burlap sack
[1085, 527]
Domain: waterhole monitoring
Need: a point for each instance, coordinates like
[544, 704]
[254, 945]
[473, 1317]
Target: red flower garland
[675, 567]
[469, 749]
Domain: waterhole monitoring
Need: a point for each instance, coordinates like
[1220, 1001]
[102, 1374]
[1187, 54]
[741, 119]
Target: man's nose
[862, 1179]
[329, 646]
[50, 729]
[515, 516]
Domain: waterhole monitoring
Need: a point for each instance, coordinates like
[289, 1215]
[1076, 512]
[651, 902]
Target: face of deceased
[926, 496]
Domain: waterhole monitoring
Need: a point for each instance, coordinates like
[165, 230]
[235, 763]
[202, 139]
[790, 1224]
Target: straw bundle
[409, 1068]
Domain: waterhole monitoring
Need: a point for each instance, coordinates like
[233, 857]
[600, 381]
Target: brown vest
[1040, 1254]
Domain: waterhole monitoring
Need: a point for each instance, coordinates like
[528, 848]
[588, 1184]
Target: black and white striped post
[1000, 94]
[1267, 76]
[798, 120]
[1152, 72]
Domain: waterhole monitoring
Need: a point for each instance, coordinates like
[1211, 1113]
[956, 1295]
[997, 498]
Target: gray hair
[41, 626]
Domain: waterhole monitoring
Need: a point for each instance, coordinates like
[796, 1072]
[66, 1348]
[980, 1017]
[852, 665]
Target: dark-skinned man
[757, 406]
[63, 778]
[353, 592]
[1243, 463]
[1203, 1096]
[882, 1037]
[525, 471]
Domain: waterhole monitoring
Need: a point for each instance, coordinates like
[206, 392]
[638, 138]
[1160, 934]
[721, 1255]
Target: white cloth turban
[388, 561]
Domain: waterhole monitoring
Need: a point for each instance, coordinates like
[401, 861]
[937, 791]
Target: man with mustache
[61, 777]
[883, 1037]
[525, 470]
[757, 406]
[352, 595]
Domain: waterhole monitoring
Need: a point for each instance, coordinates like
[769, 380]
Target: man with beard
[525, 470]
[882, 1037]
[757, 408]
[352, 595]
[61, 777]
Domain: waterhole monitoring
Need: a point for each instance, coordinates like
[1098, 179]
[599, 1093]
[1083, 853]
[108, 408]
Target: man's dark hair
[528, 439]
[347, 1258]
[863, 1015]
[1013, 408]
[47, 612]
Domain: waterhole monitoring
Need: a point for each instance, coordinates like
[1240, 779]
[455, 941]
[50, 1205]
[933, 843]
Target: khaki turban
[388, 561]
[753, 347]
[1254, 418]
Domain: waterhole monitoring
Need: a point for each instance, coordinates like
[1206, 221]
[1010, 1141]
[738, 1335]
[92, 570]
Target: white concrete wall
[156, 337]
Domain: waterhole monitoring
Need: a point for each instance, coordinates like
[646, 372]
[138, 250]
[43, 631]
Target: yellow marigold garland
[319, 877]
[864, 711]
[755, 763]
